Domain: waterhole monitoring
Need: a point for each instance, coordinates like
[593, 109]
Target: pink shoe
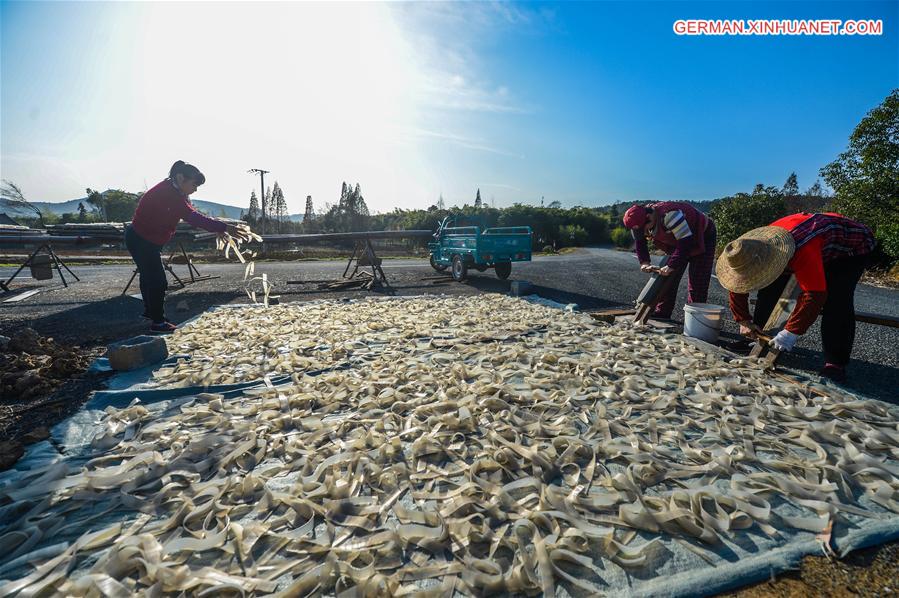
[162, 327]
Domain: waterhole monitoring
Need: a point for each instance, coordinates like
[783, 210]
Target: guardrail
[461, 230]
[508, 230]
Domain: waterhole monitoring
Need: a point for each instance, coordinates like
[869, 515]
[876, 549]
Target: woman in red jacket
[827, 253]
[687, 235]
[157, 215]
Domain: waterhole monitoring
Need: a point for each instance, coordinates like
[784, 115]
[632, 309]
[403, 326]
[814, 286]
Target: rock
[4, 342]
[10, 452]
[182, 305]
[521, 287]
[27, 341]
[136, 352]
[36, 435]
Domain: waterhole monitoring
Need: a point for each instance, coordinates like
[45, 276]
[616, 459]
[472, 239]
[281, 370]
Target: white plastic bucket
[703, 321]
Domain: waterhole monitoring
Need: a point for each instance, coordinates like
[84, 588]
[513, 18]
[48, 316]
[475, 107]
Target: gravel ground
[94, 312]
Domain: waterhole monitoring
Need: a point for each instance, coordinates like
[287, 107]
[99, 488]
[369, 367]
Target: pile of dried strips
[32, 366]
[474, 445]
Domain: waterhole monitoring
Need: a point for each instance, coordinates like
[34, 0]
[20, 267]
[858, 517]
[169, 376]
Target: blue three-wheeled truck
[464, 247]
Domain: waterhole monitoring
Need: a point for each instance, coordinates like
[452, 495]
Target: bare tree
[11, 196]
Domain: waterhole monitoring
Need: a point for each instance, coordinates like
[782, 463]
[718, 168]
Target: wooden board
[22, 296]
[784, 306]
[863, 316]
[652, 290]
[609, 315]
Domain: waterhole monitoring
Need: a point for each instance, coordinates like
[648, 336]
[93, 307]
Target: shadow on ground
[863, 377]
[116, 318]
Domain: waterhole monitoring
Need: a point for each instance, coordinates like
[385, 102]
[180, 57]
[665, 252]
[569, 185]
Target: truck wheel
[503, 269]
[436, 266]
[460, 269]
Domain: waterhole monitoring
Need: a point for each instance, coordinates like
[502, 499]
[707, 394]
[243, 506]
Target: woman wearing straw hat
[827, 253]
[687, 235]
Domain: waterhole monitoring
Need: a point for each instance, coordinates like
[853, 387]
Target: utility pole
[262, 174]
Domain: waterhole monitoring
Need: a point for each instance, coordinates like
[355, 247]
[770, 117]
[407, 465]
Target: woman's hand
[238, 232]
[784, 341]
[647, 268]
[665, 271]
[749, 328]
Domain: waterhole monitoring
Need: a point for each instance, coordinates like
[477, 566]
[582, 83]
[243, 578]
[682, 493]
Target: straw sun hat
[755, 260]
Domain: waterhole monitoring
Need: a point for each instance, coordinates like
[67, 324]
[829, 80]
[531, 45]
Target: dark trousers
[837, 316]
[153, 281]
[698, 282]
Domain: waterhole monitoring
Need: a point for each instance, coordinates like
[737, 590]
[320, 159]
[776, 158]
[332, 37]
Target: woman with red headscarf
[687, 235]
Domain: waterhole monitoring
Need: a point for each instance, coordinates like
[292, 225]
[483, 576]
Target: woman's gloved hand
[784, 341]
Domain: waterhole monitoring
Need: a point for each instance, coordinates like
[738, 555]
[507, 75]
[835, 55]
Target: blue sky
[585, 103]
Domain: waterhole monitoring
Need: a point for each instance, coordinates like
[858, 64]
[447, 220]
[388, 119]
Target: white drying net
[466, 446]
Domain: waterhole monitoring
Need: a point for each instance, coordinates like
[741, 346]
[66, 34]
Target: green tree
[282, 205]
[621, 237]
[349, 214]
[266, 205]
[82, 212]
[741, 213]
[278, 205]
[114, 205]
[815, 190]
[253, 212]
[477, 200]
[572, 235]
[791, 187]
[11, 196]
[865, 177]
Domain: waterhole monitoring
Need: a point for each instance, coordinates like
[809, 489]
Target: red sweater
[808, 265]
[161, 208]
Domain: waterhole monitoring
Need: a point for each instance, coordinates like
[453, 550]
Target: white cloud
[317, 93]
[449, 38]
[466, 142]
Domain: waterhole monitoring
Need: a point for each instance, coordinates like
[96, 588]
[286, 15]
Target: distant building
[4, 219]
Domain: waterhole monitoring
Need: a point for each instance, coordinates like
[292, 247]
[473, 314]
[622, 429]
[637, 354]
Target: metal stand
[57, 263]
[364, 255]
[195, 275]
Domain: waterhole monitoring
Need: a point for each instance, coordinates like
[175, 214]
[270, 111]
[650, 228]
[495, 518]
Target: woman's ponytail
[189, 171]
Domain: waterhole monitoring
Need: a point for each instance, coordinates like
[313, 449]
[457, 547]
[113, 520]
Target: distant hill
[210, 208]
[63, 207]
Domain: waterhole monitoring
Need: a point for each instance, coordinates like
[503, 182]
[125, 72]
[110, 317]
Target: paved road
[94, 312]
